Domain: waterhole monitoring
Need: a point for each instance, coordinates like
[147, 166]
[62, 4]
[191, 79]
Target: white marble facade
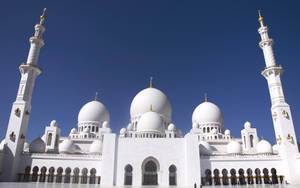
[150, 150]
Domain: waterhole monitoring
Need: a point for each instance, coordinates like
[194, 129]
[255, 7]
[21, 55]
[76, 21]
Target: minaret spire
[260, 19]
[281, 113]
[20, 112]
[151, 82]
[42, 17]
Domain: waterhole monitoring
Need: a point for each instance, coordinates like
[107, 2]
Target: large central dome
[150, 97]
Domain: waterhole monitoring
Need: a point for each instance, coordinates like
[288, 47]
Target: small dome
[53, 123]
[150, 122]
[275, 148]
[195, 125]
[264, 147]
[130, 127]
[96, 147]
[86, 130]
[105, 124]
[233, 147]
[205, 148]
[207, 112]
[150, 96]
[227, 132]
[171, 127]
[26, 146]
[76, 149]
[122, 131]
[247, 125]
[93, 111]
[37, 146]
[2, 144]
[66, 146]
[73, 131]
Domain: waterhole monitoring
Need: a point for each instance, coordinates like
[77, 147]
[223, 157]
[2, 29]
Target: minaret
[281, 113]
[20, 112]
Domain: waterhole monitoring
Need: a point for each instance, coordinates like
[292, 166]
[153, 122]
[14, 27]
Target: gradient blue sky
[113, 47]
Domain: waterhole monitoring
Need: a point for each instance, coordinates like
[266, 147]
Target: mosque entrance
[150, 169]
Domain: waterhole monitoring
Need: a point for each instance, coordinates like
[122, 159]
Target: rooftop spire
[42, 17]
[150, 108]
[151, 82]
[96, 96]
[260, 18]
[205, 97]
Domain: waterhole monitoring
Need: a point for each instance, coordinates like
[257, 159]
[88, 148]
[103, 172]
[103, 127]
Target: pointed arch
[150, 167]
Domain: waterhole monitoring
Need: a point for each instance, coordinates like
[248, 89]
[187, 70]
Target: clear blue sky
[113, 47]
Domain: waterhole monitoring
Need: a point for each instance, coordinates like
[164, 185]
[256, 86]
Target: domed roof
[130, 127]
[122, 131]
[227, 132]
[93, 111]
[171, 127]
[264, 147]
[233, 147]
[150, 96]
[73, 131]
[105, 124]
[96, 147]
[247, 125]
[207, 112]
[37, 146]
[150, 122]
[53, 123]
[205, 148]
[66, 146]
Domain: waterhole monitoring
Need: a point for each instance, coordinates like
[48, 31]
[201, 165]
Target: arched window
[251, 141]
[84, 176]
[274, 176]
[59, 175]
[208, 129]
[244, 137]
[51, 174]
[249, 176]
[208, 179]
[128, 175]
[68, 175]
[266, 176]
[225, 177]
[241, 177]
[93, 128]
[35, 171]
[93, 176]
[76, 175]
[49, 139]
[150, 168]
[43, 174]
[217, 177]
[204, 130]
[233, 177]
[27, 174]
[257, 176]
[97, 129]
[172, 175]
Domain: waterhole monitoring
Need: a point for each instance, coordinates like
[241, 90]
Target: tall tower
[20, 112]
[281, 113]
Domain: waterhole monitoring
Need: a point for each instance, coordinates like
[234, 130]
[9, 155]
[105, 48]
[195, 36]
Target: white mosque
[150, 150]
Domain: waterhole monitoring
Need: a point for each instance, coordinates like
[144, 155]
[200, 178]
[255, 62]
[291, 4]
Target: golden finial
[96, 96]
[151, 82]
[42, 17]
[205, 97]
[260, 18]
[150, 108]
